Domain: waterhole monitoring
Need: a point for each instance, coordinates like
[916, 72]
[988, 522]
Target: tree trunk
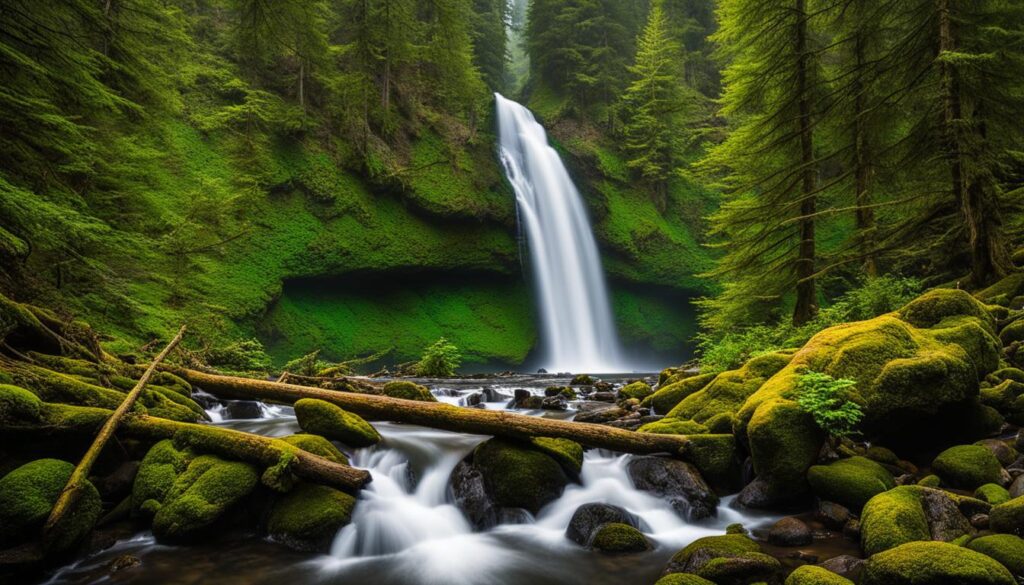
[862, 175]
[443, 416]
[806, 301]
[68, 498]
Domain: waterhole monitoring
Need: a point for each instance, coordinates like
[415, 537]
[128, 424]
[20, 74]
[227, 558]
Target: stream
[406, 531]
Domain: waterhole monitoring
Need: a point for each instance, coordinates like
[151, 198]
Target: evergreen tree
[490, 40]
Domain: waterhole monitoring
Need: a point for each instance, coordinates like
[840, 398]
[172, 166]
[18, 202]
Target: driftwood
[440, 415]
[71, 493]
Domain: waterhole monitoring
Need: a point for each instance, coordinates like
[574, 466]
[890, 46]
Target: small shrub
[247, 355]
[307, 365]
[825, 398]
[440, 360]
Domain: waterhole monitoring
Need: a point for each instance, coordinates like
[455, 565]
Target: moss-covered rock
[518, 476]
[27, 495]
[747, 568]
[893, 518]
[1013, 332]
[18, 404]
[1003, 374]
[157, 472]
[316, 445]
[968, 466]
[669, 395]
[618, 538]
[638, 390]
[729, 390]
[207, 489]
[814, 575]
[582, 380]
[881, 455]
[850, 482]
[1005, 548]
[696, 554]
[332, 421]
[717, 458]
[308, 517]
[683, 579]
[569, 454]
[1008, 517]
[992, 493]
[408, 391]
[674, 426]
[932, 481]
[933, 563]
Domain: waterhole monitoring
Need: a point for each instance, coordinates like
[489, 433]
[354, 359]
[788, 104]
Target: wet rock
[1003, 452]
[554, 403]
[847, 566]
[980, 521]
[756, 494]
[117, 483]
[123, 562]
[618, 538]
[678, 481]
[590, 412]
[309, 516]
[242, 409]
[467, 484]
[523, 399]
[852, 529]
[492, 395]
[207, 401]
[604, 387]
[694, 556]
[589, 517]
[582, 380]
[790, 532]
[1017, 487]
[945, 520]
[474, 399]
[832, 514]
[603, 396]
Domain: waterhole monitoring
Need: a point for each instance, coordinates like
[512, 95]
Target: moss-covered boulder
[683, 579]
[992, 493]
[27, 495]
[517, 475]
[911, 368]
[408, 391]
[308, 517]
[1013, 332]
[569, 454]
[934, 563]
[638, 390]
[159, 469]
[893, 518]
[850, 482]
[968, 466]
[695, 555]
[18, 404]
[207, 489]
[332, 421]
[1005, 548]
[674, 426]
[1008, 517]
[716, 456]
[669, 395]
[618, 538]
[316, 445]
[729, 390]
[813, 575]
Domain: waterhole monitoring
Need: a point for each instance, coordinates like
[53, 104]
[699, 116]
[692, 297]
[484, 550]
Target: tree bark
[442, 416]
[806, 301]
[862, 182]
[69, 496]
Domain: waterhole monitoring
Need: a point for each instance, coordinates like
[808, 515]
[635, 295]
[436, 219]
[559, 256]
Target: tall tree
[490, 40]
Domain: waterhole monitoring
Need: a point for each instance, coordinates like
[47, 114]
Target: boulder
[968, 467]
[582, 380]
[1008, 517]
[695, 555]
[316, 445]
[471, 496]
[243, 409]
[638, 390]
[309, 516]
[683, 579]
[598, 412]
[933, 563]
[674, 426]
[408, 391]
[893, 518]
[204, 492]
[27, 495]
[1001, 449]
[945, 521]
[669, 395]
[619, 538]
[1005, 548]
[847, 566]
[831, 514]
[589, 517]
[813, 575]
[568, 454]
[790, 531]
[729, 390]
[677, 481]
[162, 464]
[332, 421]
[850, 482]
[749, 568]
[1017, 487]
[992, 493]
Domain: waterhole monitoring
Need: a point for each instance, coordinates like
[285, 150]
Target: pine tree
[490, 40]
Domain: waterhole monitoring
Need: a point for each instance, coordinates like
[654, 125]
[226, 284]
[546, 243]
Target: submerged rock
[678, 482]
[589, 517]
[790, 532]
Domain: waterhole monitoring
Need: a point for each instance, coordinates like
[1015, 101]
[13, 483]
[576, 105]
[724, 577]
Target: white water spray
[577, 329]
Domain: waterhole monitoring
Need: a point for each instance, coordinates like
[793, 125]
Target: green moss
[157, 472]
[881, 455]
[408, 391]
[1012, 332]
[716, 456]
[207, 488]
[18, 404]
[309, 516]
[992, 493]
[926, 563]
[931, 481]
[569, 454]
[729, 390]
[668, 396]
[728, 545]
[1007, 288]
[813, 575]
[674, 426]
[332, 421]
[850, 482]
[56, 387]
[1000, 375]
[658, 321]
[967, 466]
[617, 538]
[936, 305]
[893, 518]
[316, 445]
[721, 423]
[784, 443]
[1005, 548]
[27, 495]
[1008, 517]
[752, 567]
[517, 476]
[638, 390]
[683, 579]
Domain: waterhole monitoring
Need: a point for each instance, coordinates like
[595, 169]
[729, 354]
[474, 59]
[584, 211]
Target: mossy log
[279, 457]
[68, 500]
[442, 416]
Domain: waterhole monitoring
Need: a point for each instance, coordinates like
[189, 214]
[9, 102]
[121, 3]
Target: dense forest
[752, 267]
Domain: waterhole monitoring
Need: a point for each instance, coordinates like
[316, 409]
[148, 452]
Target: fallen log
[439, 415]
[280, 458]
[70, 495]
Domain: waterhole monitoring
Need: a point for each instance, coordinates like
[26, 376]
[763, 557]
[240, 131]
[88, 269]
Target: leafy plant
[247, 355]
[827, 400]
[440, 360]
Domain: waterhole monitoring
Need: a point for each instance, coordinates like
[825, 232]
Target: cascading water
[577, 329]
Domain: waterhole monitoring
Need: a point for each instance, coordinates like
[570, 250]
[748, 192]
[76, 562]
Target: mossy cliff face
[911, 368]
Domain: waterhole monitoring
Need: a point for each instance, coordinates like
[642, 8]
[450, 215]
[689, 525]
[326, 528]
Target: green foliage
[828, 401]
[440, 360]
[307, 365]
[247, 355]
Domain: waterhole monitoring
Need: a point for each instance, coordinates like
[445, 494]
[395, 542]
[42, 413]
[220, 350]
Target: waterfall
[577, 329]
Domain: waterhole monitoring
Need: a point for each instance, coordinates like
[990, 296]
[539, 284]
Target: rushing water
[577, 329]
[406, 531]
